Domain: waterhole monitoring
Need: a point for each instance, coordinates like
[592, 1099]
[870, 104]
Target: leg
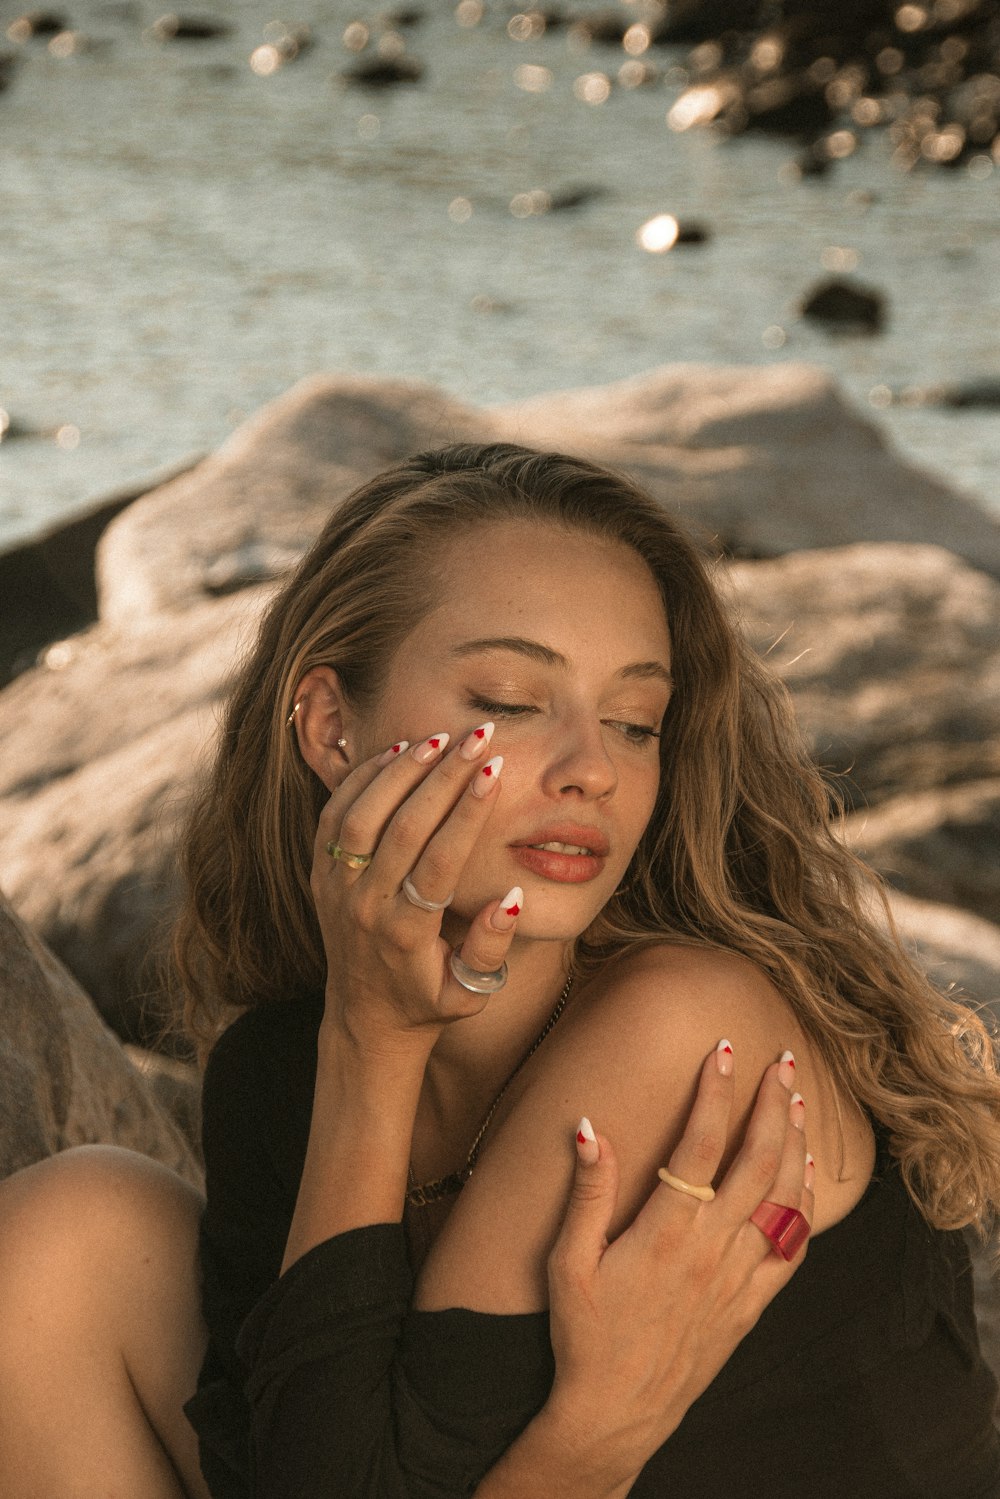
[100, 1329]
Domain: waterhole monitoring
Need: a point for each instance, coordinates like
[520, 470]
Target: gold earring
[291, 715]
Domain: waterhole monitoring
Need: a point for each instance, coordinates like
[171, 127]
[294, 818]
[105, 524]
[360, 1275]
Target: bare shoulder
[627, 1054]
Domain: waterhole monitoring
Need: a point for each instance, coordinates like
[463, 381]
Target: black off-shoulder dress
[862, 1380]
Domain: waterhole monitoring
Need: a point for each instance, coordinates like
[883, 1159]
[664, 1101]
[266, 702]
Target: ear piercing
[341, 743]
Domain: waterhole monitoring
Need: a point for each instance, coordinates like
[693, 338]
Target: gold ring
[703, 1194]
[353, 861]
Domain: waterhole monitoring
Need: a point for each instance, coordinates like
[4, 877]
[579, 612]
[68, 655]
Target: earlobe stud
[342, 744]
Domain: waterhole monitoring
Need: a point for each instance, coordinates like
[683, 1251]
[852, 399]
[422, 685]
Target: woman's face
[560, 639]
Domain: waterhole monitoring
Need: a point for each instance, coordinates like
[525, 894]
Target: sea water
[188, 229]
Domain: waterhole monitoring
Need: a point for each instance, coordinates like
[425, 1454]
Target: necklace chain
[443, 1186]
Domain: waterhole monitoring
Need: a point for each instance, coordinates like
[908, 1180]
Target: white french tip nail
[586, 1129]
[786, 1056]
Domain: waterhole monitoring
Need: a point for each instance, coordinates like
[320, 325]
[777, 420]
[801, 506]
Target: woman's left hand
[410, 815]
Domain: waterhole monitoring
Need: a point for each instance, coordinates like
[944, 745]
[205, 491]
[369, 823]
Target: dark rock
[984, 394]
[188, 28]
[48, 585]
[569, 198]
[939, 845]
[64, 1079]
[37, 23]
[603, 26]
[405, 15]
[691, 232]
[384, 72]
[845, 304]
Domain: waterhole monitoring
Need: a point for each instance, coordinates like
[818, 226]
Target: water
[183, 239]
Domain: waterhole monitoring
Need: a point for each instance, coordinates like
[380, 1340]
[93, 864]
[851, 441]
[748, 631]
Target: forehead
[549, 583]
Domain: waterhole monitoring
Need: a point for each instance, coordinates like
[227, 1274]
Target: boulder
[255, 505]
[940, 845]
[99, 747]
[763, 461]
[64, 1079]
[891, 651]
[892, 655]
[958, 951]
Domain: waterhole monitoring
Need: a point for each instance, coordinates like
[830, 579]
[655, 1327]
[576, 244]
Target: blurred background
[199, 209]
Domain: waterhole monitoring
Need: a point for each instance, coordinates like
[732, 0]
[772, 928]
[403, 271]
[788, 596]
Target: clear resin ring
[353, 861]
[475, 981]
[416, 899]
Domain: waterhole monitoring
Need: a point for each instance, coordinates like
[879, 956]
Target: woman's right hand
[641, 1326]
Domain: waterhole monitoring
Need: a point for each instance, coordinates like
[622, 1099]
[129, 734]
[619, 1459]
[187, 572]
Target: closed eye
[499, 710]
[635, 733]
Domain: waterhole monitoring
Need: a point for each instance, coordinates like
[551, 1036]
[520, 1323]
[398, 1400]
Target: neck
[473, 1058]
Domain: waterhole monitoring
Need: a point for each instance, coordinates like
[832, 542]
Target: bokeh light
[658, 234]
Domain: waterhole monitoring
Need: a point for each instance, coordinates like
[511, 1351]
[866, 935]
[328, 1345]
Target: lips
[569, 853]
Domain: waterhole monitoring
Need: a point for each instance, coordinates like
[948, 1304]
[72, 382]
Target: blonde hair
[741, 852]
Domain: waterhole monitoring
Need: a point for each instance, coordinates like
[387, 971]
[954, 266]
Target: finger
[488, 939]
[787, 1185]
[356, 816]
[698, 1154]
[429, 838]
[751, 1176]
[583, 1236]
[435, 870]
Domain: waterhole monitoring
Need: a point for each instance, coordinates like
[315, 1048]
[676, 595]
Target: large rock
[64, 1079]
[98, 752]
[766, 460]
[249, 511]
[940, 845]
[959, 952]
[891, 651]
[892, 654]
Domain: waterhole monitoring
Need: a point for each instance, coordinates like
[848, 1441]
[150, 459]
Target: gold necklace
[444, 1186]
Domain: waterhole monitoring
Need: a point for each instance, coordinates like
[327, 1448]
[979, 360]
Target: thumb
[592, 1199]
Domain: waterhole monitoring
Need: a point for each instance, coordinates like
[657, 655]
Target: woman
[451, 949]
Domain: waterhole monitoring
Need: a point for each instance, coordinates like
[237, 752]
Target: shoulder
[627, 1054]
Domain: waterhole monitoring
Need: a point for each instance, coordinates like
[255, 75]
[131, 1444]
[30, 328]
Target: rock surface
[939, 845]
[766, 460]
[892, 654]
[97, 754]
[64, 1079]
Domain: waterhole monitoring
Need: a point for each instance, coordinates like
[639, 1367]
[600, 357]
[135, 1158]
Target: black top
[862, 1378]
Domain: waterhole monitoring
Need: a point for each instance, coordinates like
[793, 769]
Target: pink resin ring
[787, 1228]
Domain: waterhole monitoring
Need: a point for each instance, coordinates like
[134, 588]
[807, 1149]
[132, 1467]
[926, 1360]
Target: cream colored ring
[703, 1194]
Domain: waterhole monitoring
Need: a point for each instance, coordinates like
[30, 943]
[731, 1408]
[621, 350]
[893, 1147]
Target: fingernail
[797, 1109]
[392, 752]
[786, 1069]
[473, 744]
[490, 773]
[724, 1057]
[809, 1175]
[508, 910]
[587, 1147]
[429, 749]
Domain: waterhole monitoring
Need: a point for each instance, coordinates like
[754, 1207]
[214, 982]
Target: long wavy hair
[741, 852]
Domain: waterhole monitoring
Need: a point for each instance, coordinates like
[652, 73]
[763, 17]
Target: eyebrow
[535, 651]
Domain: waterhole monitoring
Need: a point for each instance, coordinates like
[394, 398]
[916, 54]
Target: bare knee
[98, 1269]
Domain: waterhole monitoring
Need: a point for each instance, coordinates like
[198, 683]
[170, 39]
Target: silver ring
[474, 980]
[418, 900]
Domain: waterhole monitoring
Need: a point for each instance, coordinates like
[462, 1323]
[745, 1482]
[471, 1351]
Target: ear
[320, 719]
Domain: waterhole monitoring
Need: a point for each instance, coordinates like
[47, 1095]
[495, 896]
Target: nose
[580, 763]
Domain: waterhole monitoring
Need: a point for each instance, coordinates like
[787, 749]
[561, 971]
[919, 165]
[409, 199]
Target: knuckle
[406, 827]
[704, 1148]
